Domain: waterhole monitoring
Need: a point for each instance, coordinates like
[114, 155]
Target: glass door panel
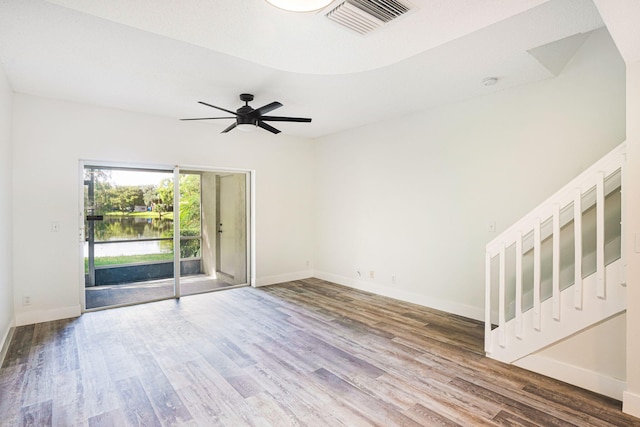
[128, 236]
[213, 226]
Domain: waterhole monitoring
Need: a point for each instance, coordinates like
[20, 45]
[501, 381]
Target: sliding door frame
[176, 170]
[177, 292]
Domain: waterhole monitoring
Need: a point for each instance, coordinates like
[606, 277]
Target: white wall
[632, 221]
[412, 197]
[6, 254]
[594, 359]
[50, 136]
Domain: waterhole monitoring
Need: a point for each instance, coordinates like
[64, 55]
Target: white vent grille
[364, 16]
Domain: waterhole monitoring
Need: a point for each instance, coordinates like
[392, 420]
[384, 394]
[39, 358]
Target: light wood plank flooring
[303, 353]
[139, 292]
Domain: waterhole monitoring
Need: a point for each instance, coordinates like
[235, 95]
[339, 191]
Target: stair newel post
[577, 233]
[487, 304]
[518, 302]
[600, 285]
[556, 262]
[502, 322]
[536, 275]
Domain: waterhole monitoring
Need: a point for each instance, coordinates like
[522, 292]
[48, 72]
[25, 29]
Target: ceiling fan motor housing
[244, 116]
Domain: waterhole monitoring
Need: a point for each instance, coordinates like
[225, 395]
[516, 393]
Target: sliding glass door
[213, 226]
[131, 218]
[231, 237]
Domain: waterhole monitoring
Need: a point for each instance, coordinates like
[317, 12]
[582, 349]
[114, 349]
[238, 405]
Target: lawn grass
[127, 259]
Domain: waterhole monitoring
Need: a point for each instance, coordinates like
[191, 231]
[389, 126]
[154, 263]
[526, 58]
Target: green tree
[190, 204]
[102, 189]
[164, 197]
[126, 198]
[190, 214]
[150, 195]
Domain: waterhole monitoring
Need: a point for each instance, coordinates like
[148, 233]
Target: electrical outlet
[26, 300]
[372, 274]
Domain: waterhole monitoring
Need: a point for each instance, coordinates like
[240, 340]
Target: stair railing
[565, 205]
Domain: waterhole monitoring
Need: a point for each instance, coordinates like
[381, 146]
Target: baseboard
[39, 316]
[580, 377]
[631, 403]
[424, 300]
[6, 340]
[280, 278]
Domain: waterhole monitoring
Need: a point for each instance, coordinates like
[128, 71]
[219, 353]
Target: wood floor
[304, 353]
[138, 292]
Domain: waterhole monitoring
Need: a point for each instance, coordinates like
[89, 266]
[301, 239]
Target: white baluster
[551, 211]
[487, 304]
[537, 323]
[600, 285]
[577, 233]
[556, 262]
[518, 302]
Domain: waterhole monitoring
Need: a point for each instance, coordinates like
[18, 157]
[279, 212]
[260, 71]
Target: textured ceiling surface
[161, 56]
[303, 42]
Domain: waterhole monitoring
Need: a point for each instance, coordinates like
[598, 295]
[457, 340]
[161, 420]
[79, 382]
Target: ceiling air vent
[364, 16]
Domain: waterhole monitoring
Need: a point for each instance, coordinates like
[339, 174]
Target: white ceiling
[161, 56]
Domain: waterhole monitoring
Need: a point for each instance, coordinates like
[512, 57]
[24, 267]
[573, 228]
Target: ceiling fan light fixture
[300, 5]
[246, 127]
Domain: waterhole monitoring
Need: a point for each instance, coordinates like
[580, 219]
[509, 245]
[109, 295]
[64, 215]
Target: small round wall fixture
[299, 5]
[490, 81]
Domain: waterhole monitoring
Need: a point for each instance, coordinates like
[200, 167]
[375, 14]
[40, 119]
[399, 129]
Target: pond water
[131, 228]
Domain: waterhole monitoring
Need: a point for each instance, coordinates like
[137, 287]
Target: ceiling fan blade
[210, 118]
[219, 108]
[265, 109]
[267, 127]
[285, 119]
[229, 128]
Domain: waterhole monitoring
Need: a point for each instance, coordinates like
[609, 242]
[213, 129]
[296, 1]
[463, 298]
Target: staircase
[560, 269]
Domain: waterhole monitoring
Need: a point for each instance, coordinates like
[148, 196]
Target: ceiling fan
[248, 118]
